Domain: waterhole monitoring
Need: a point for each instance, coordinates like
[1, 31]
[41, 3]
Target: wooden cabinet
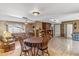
[43, 29]
[40, 28]
[30, 28]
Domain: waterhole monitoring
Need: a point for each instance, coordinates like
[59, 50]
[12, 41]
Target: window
[16, 28]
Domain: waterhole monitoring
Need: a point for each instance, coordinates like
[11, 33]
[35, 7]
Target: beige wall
[72, 22]
[2, 27]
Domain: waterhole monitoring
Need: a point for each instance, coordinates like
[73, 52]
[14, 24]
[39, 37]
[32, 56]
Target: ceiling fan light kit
[35, 12]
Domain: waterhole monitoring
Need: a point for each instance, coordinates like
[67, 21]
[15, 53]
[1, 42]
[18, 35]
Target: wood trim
[62, 30]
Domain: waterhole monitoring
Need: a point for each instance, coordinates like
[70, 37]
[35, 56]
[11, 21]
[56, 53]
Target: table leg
[34, 51]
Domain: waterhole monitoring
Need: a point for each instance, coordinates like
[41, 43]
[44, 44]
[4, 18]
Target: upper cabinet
[40, 29]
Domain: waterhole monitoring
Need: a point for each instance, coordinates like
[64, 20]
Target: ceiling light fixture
[35, 11]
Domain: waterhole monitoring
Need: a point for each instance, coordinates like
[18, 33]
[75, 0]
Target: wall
[57, 29]
[69, 17]
[2, 27]
[72, 22]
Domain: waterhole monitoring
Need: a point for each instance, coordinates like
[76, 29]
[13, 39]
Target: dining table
[34, 43]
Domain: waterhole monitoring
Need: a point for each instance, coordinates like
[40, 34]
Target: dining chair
[24, 48]
[44, 47]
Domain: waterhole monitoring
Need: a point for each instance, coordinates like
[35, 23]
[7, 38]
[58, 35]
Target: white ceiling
[47, 10]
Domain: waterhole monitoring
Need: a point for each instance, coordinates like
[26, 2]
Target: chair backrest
[45, 41]
[30, 34]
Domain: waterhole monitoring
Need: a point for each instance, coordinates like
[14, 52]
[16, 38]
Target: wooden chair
[44, 47]
[24, 49]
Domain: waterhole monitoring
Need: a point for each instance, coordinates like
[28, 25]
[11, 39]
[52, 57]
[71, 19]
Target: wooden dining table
[34, 43]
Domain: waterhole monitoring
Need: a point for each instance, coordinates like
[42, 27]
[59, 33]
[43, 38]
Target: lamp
[7, 35]
[35, 11]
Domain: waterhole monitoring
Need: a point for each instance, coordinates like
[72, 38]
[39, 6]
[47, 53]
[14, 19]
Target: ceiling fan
[27, 20]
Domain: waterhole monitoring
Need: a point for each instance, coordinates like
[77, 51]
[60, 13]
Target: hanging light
[35, 11]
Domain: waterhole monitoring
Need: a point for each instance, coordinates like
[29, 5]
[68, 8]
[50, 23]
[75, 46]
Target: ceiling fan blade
[27, 19]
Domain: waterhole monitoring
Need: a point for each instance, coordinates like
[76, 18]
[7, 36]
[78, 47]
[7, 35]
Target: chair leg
[26, 53]
[43, 53]
[21, 53]
[37, 53]
[30, 52]
[48, 53]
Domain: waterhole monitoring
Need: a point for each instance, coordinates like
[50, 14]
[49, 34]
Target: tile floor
[57, 47]
[63, 47]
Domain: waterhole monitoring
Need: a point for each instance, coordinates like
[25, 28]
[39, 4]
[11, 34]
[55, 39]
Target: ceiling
[47, 10]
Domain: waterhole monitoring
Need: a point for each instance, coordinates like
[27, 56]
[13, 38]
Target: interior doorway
[69, 30]
[56, 30]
